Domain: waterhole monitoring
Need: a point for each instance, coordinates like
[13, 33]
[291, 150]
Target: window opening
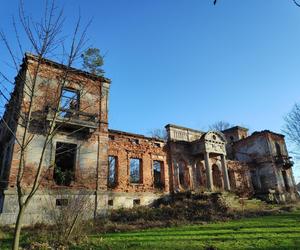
[136, 202]
[135, 170]
[69, 102]
[65, 158]
[217, 180]
[112, 171]
[184, 177]
[285, 179]
[232, 179]
[134, 141]
[157, 174]
[110, 202]
[278, 149]
[61, 202]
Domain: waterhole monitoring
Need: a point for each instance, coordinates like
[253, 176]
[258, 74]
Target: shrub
[69, 224]
[181, 207]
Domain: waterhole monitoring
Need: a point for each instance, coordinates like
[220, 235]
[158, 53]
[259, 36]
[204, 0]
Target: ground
[281, 231]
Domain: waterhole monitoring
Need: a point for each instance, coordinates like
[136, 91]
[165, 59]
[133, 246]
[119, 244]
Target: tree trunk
[18, 228]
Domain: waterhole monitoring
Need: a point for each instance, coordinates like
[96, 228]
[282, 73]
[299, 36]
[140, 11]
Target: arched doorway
[285, 180]
[217, 179]
[278, 149]
[184, 175]
[232, 179]
[200, 175]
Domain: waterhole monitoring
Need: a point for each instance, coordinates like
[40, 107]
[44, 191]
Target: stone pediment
[211, 142]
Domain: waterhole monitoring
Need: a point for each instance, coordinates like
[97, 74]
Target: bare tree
[292, 131]
[45, 38]
[295, 2]
[69, 217]
[220, 126]
[292, 125]
[160, 134]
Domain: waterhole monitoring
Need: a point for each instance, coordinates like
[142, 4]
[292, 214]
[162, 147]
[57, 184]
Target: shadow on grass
[203, 234]
[200, 244]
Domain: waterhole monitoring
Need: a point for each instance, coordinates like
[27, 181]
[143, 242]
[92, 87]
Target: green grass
[280, 231]
[268, 232]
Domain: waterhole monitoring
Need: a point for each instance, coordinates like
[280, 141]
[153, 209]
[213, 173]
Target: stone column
[176, 176]
[191, 177]
[225, 173]
[209, 178]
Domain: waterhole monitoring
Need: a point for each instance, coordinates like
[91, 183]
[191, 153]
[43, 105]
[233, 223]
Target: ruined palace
[116, 168]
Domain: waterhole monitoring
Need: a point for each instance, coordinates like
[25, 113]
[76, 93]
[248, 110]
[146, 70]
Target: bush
[69, 224]
[180, 207]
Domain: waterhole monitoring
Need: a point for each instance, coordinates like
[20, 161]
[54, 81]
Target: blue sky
[189, 62]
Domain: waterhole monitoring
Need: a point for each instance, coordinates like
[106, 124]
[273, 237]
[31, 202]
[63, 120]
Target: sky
[188, 62]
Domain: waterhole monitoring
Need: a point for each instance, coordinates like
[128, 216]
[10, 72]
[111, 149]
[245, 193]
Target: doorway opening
[217, 179]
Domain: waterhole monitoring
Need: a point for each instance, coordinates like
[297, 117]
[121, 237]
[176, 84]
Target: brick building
[116, 168]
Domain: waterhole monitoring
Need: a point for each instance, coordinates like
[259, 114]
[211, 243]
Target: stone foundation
[47, 202]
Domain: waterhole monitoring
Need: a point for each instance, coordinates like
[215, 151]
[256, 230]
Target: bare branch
[292, 126]
[297, 4]
[220, 126]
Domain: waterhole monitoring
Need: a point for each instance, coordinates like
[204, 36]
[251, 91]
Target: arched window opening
[263, 183]
[286, 181]
[200, 174]
[278, 149]
[184, 179]
[232, 179]
[217, 180]
[255, 180]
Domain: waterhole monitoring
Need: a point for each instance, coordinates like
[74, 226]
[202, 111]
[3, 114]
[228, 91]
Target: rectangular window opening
[136, 202]
[157, 174]
[134, 141]
[110, 202]
[65, 159]
[1, 202]
[135, 170]
[112, 171]
[69, 102]
[61, 202]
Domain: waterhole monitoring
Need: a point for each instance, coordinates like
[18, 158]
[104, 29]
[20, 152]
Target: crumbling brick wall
[240, 178]
[8, 127]
[91, 155]
[125, 146]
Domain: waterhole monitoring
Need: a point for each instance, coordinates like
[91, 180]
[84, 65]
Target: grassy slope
[270, 232]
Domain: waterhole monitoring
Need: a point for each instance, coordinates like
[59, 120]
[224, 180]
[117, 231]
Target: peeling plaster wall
[251, 147]
[266, 164]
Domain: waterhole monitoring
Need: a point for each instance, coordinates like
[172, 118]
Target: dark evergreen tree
[92, 61]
